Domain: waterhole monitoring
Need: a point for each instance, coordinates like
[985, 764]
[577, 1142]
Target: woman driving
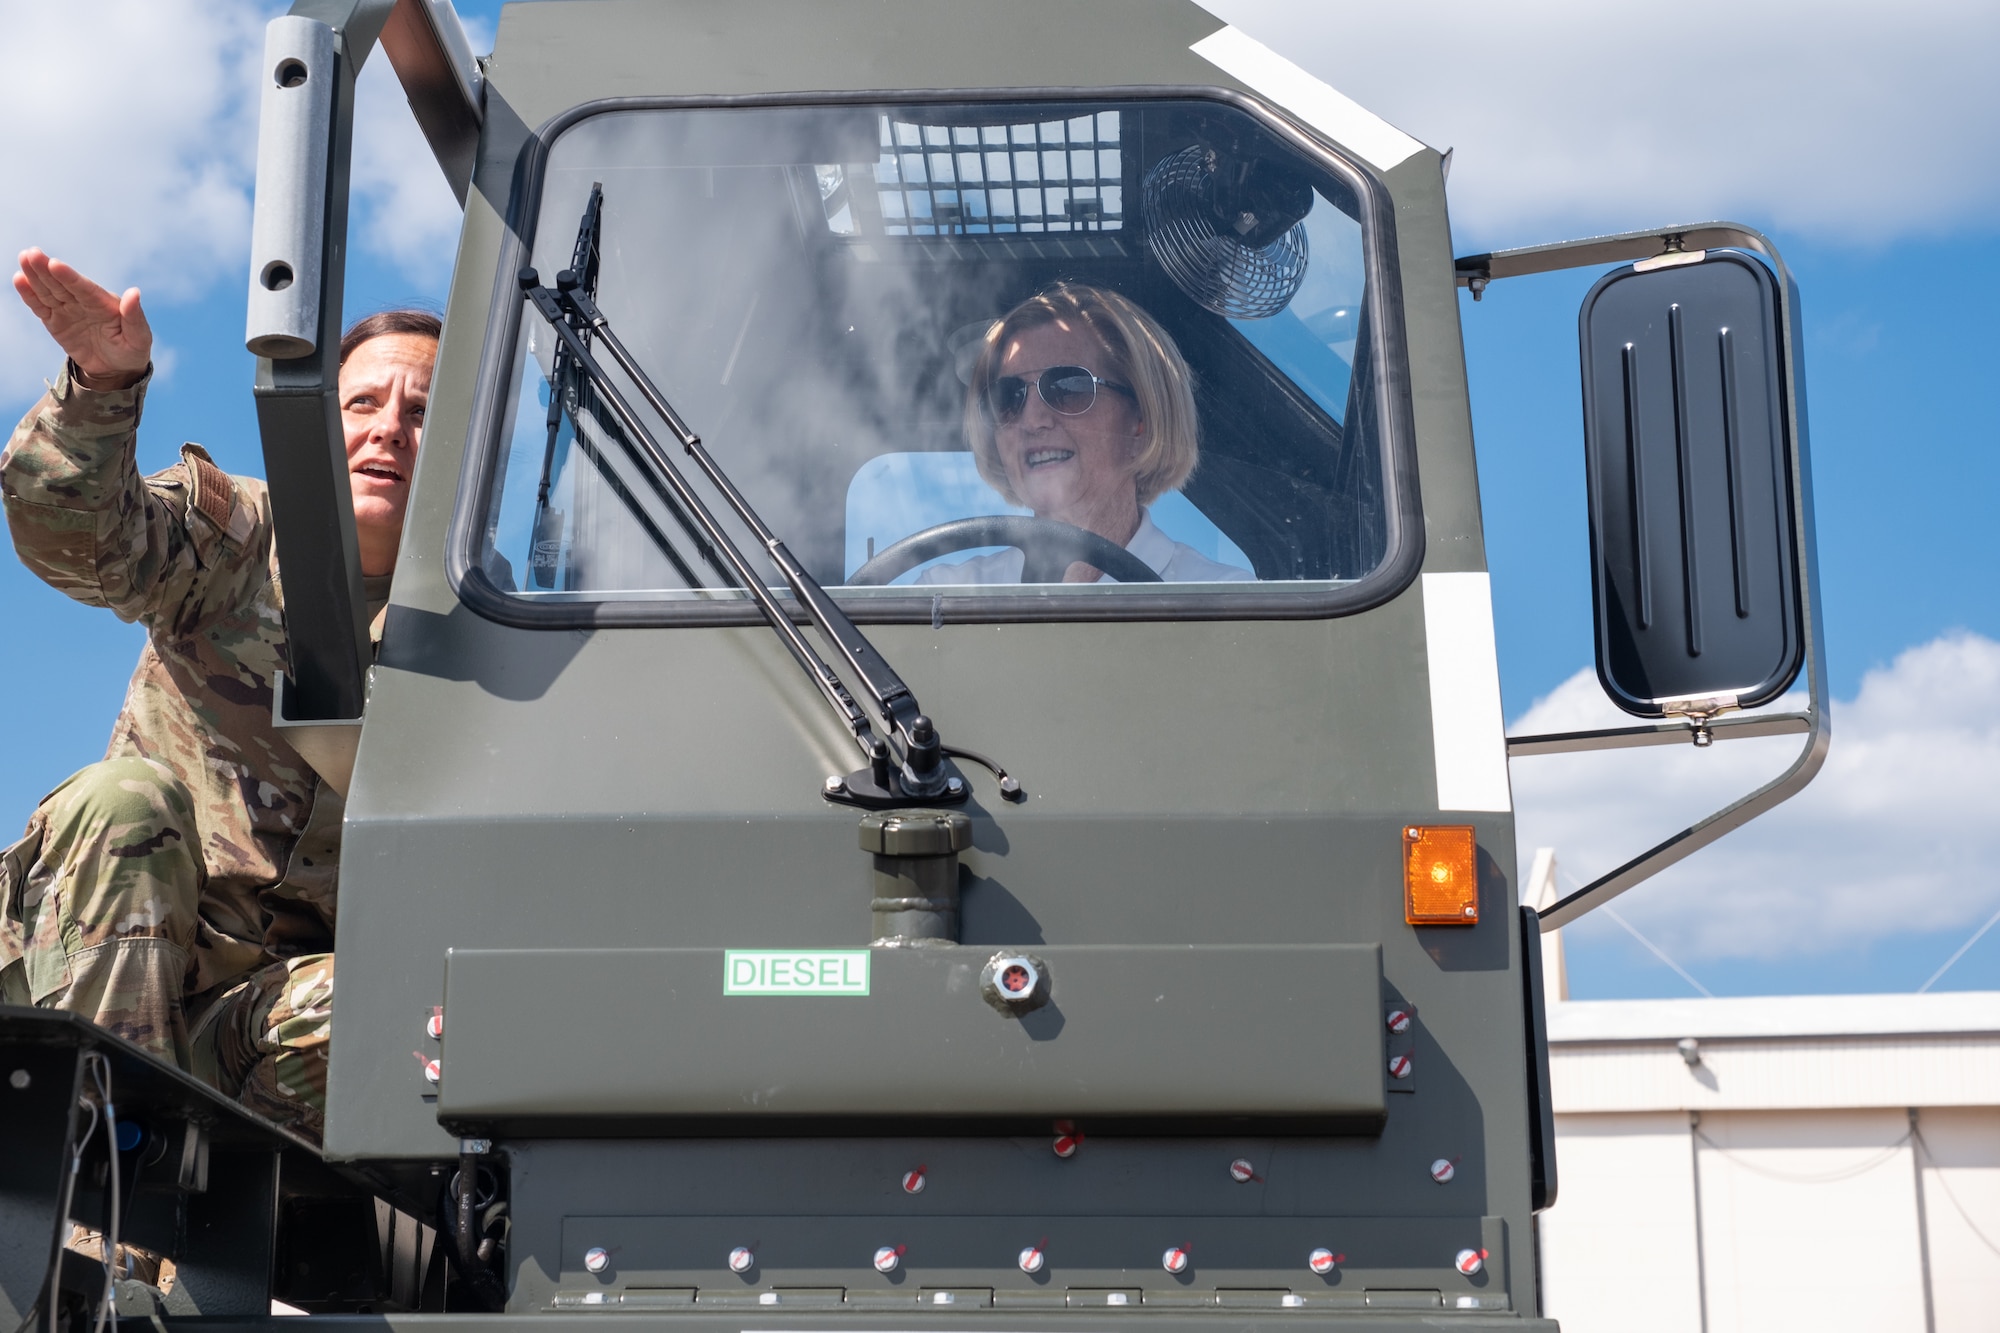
[1081, 409]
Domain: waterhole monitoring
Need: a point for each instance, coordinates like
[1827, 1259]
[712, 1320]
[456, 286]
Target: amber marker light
[1440, 875]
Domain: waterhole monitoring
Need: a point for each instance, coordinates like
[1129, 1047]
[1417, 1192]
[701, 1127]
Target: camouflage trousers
[99, 906]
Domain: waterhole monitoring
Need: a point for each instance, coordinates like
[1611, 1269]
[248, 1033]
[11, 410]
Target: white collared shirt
[1174, 562]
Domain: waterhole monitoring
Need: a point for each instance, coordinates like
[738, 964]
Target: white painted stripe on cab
[1468, 734]
[1346, 121]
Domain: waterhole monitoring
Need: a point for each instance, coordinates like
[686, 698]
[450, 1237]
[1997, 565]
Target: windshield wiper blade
[546, 533]
[570, 395]
[907, 766]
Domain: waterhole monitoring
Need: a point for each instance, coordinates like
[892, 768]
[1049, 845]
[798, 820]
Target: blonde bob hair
[1138, 352]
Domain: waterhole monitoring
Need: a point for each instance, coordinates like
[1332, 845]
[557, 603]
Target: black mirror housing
[1694, 555]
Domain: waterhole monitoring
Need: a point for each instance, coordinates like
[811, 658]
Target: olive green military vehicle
[1164, 965]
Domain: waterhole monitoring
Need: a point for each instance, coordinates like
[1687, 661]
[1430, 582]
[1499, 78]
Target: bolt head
[1010, 786]
[834, 784]
[886, 1259]
[1322, 1261]
[1031, 1260]
[1398, 1020]
[19, 1079]
[1015, 976]
[1470, 1261]
[741, 1260]
[1067, 1144]
[596, 1259]
[1241, 1171]
[1399, 1066]
[433, 1071]
[1175, 1260]
[1442, 1170]
[434, 1027]
[954, 785]
[914, 1182]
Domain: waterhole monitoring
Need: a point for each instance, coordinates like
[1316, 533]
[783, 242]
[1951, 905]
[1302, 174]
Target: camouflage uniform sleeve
[172, 551]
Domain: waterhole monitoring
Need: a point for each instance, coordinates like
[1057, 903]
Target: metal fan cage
[1218, 271]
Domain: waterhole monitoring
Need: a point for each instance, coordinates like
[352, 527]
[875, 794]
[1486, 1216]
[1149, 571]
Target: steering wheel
[1050, 549]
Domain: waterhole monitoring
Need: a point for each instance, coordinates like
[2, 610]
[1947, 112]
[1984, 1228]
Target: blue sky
[1861, 141]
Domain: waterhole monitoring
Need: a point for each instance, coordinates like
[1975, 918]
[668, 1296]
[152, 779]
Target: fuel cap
[915, 832]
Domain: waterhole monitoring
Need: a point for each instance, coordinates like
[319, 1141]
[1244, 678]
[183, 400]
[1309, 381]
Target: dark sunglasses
[1068, 390]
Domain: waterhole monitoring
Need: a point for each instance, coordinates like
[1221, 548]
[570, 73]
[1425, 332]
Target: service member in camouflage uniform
[181, 892]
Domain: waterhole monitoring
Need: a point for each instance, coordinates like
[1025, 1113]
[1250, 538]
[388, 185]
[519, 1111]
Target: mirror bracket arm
[1663, 733]
[1475, 272]
[1700, 834]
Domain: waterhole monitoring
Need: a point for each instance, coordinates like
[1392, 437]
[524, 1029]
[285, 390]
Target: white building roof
[1769, 1016]
[1776, 1052]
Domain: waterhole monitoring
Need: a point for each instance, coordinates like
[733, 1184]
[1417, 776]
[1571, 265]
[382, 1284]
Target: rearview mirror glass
[1693, 545]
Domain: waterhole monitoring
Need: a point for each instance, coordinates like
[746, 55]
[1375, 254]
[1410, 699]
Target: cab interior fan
[1228, 231]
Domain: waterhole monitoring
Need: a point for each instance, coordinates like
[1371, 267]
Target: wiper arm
[545, 536]
[906, 767]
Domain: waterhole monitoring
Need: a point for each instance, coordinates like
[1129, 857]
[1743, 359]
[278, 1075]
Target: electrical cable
[100, 1073]
[1010, 787]
[49, 1303]
[1633, 930]
[1945, 1185]
[1952, 961]
[1834, 1176]
[69, 1194]
[459, 1208]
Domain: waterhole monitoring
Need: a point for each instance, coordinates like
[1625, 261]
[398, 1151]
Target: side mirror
[1702, 564]
[1694, 556]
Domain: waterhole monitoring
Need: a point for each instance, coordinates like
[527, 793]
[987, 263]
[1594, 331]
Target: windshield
[1066, 352]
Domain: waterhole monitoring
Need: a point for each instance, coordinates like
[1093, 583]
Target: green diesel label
[794, 972]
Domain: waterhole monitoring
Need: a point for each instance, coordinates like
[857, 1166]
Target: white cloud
[129, 145]
[1830, 117]
[1900, 832]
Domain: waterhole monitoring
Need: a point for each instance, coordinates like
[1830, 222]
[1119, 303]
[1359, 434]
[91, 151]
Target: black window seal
[1403, 554]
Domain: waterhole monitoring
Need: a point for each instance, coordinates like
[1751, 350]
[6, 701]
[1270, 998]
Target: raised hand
[107, 336]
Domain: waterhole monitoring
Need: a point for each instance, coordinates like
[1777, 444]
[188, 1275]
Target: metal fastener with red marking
[1470, 1261]
[1068, 1139]
[434, 1025]
[1399, 1066]
[914, 1181]
[1175, 1260]
[1399, 1020]
[596, 1259]
[742, 1259]
[1241, 1171]
[1323, 1261]
[1443, 1169]
[887, 1258]
[433, 1070]
[1032, 1259]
